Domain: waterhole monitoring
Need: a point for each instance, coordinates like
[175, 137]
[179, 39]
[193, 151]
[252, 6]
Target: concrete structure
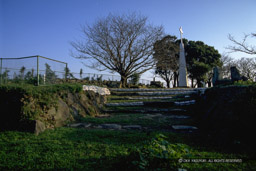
[183, 81]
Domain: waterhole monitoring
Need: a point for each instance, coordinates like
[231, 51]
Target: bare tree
[122, 44]
[242, 46]
[227, 63]
[247, 67]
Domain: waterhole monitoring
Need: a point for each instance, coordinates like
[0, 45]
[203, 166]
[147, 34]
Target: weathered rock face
[60, 114]
[74, 107]
[32, 114]
[39, 127]
[96, 89]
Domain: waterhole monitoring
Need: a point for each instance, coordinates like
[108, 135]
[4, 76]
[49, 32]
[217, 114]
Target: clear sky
[45, 27]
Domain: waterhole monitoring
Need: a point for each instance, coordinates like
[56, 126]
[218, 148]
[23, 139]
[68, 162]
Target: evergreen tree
[50, 76]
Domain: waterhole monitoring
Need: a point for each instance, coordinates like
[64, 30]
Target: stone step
[184, 127]
[149, 110]
[159, 115]
[155, 90]
[156, 93]
[80, 125]
[143, 98]
[183, 103]
[111, 126]
[166, 93]
[152, 103]
[125, 104]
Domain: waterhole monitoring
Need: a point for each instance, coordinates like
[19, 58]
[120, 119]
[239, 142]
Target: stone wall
[45, 108]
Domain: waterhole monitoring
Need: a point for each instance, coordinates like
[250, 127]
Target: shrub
[224, 82]
[156, 84]
[135, 78]
[241, 83]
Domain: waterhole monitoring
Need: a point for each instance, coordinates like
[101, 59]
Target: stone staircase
[145, 110]
[165, 103]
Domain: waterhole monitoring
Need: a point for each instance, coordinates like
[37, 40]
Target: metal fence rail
[40, 70]
[106, 77]
[36, 69]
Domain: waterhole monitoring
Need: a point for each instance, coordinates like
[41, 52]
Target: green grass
[97, 149]
[80, 149]
[63, 148]
[137, 119]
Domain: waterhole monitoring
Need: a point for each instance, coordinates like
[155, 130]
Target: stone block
[111, 126]
[184, 127]
[132, 127]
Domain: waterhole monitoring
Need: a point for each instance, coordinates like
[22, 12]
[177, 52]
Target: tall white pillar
[183, 81]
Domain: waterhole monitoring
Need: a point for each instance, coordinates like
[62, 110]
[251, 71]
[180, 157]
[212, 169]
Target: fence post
[37, 71]
[66, 74]
[1, 76]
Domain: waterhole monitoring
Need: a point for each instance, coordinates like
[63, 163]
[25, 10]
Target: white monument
[182, 64]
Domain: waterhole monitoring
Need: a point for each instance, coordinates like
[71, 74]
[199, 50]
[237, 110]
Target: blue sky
[45, 27]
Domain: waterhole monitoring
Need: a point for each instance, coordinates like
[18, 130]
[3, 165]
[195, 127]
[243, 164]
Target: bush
[246, 83]
[111, 84]
[224, 82]
[135, 78]
[156, 84]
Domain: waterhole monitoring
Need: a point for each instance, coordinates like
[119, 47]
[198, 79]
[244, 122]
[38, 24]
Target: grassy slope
[95, 149]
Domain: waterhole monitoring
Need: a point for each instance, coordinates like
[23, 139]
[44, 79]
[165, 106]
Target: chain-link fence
[102, 77]
[37, 70]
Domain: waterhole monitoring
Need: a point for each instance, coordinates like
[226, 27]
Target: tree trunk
[209, 83]
[199, 84]
[168, 83]
[123, 83]
[175, 79]
[192, 82]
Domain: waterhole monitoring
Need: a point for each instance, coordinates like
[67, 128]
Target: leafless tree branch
[242, 46]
